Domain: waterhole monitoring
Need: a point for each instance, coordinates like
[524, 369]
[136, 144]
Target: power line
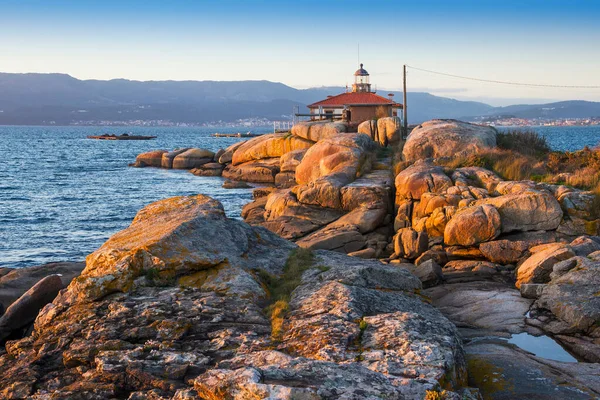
[504, 82]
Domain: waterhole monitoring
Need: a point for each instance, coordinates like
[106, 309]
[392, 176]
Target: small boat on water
[247, 134]
[124, 136]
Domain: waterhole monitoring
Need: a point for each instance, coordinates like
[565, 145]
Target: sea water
[62, 195]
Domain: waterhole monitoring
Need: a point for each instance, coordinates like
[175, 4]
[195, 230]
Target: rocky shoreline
[369, 269]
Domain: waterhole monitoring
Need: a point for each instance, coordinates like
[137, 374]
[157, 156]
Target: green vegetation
[383, 152]
[435, 395]
[528, 143]
[277, 312]
[280, 288]
[362, 326]
[596, 202]
[152, 275]
[525, 155]
[323, 268]
[506, 163]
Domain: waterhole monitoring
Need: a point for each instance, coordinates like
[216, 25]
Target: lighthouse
[361, 80]
[361, 104]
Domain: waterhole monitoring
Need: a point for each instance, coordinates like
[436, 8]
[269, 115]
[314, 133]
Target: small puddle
[542, 346]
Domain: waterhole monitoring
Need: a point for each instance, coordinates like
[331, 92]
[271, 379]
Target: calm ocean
[62, 195]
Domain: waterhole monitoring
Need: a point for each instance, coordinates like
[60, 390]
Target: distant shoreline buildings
[512, 121]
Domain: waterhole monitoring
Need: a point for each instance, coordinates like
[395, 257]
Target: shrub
[596, 202]
[277, 312]
[571, 161]
[506, 163]
[585, 178]
[435, 395]
[529, 143]
[514, 169]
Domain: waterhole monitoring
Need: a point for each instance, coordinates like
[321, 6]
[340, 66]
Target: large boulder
[290, 219]
[447, 138]
[166, 239]
[385, 131]
[476, 176]
[585, 245]
[150, 159]
[192, 158]
[428, 272]
[372, 190]
[17, 281]
[290, 161]
[331, 164]
[538, 267]
[433, 201]
[268, 146]
[410, 244]
[473, 225]
[420, 178]
[526, 211]
[285, 180]
[208, 169]
[514, 247]
[504, 251]
[343, 154]
[364, 219]
[167, 158]
[573, 297]
[343, 239]
[581, 214]
[263, 171]
[457, 271]
[369, 128]
[435, 224]
[227, 155]
[315, 131]
[389, 131]
[23, 311]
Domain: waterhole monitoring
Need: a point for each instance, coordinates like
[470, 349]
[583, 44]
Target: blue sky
[314, 43]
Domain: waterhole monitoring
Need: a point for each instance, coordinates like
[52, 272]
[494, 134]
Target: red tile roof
[354, 99]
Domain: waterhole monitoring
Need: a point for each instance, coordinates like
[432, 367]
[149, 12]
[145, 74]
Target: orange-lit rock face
[447, 138]
[315, 131]
[268, 146]
[170, 238]
[341, 154]
[530, 210]
[331, 164]
[192, 158]
[150, 159]
[537, 268]
[473, 225]
[418, 179]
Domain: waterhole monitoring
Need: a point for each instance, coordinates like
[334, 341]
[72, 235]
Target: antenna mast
[404, 105]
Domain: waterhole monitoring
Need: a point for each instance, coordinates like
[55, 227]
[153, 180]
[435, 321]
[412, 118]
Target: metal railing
[282, 126]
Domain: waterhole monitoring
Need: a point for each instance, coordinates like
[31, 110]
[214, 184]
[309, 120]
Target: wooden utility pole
[404, 106]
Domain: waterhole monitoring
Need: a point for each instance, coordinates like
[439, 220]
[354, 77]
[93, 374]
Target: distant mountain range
[40, 99]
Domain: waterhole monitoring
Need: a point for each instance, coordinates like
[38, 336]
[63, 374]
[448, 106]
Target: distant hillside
[42, 98]
[562, 109]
